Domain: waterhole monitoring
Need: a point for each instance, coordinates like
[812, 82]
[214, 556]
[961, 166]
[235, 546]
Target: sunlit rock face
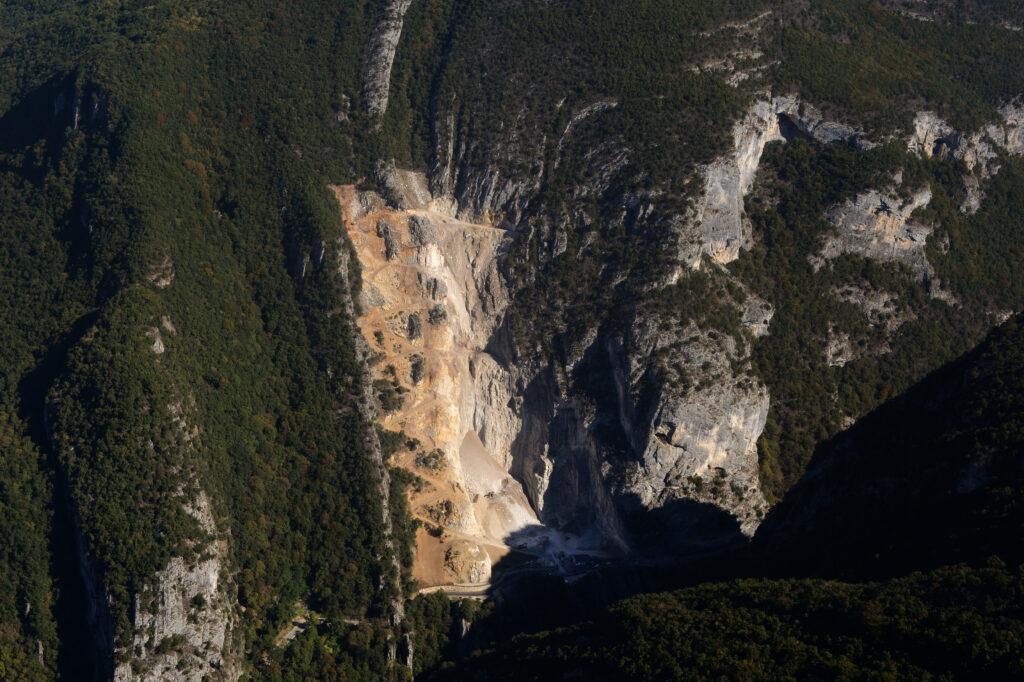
[431, 299]
[183, 623]
[979, 151]
[381, 56]
[878, 225]
[718, 226]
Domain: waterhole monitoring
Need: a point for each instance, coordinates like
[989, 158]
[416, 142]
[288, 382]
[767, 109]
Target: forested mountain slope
[177, 384]
[639, 260]
[933, 477]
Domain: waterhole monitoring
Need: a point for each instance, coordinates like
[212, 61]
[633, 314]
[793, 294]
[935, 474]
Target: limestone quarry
[430, 300]
[505, 451]
[506, 457]
[504, 448]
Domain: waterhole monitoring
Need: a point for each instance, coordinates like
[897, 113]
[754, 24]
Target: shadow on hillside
[78, 658]
[42, 114]
[540, 587]
[929, 478]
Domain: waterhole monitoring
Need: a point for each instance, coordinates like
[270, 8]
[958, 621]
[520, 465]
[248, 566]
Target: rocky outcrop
[718, 225]
[183, 622]
[719, 216]
[403, 189]
[933, 137]
[878, 225]
[467, 180]
[1010, 134]
[381, 56]
[757, 315]
[161, 275]
[698, 440]
[879, 305]
[838, 349]
[884, 311]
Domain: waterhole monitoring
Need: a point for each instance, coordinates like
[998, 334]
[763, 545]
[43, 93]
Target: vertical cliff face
[381, 56]
[698, 439]
[183, 623]
[722, 228]
[718, 226]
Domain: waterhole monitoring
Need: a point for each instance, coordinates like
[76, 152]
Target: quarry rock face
[506, 446]
[436, 300]
[881, 308]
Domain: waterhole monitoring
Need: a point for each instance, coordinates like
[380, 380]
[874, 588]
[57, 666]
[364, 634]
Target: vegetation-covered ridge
[165, 168]
[956, 621]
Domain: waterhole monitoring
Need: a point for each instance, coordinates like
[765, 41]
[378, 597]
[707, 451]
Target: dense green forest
[952, 623]
[165, 167]
[932, 477]
[980, 269]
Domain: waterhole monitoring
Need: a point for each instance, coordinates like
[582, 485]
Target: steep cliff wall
[183, 623]
[718, 225]
[698, 440]
[381, 56]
